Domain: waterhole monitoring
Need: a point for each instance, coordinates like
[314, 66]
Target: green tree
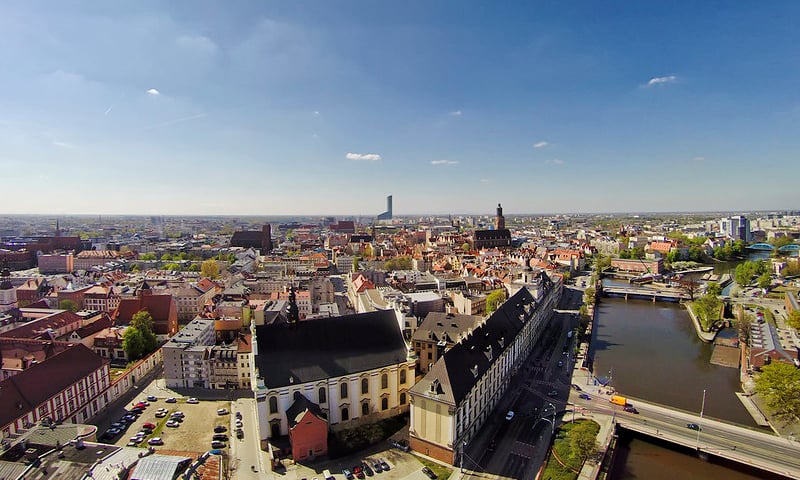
[356, 265]
[601, 262]
[399, 263]
[172, 266]
[673, 256]
[697, 254]
[764, 280]
[793, 320]
[194, 267]
[779, 242]
[737, 248]
[589, 296]
[583, 441]
[209, 269]
[68, 305]
[494, 300]
[146, 257]
[133, 343]
[142, 320]
[713, 288]
[166, 257]
[779, 384]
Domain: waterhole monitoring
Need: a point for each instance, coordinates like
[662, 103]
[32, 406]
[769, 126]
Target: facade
[736, 228]
[90, 258]
[100, 298]
[55, 263]
[185, 355]
[387, 215]
[638, 266]
[352, 381]
[70, 387]
[8, 295]
[261, 240]
[308, 429]
[438, 333]
[451, 403]
[469, 303]
[162, 308]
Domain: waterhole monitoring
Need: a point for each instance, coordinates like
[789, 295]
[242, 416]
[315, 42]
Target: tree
[713, 288]
[143, 340]
[166, 257]
[779, 242]
[745, 320]
[399, 263]
[209, 269]
[142, 320]
[355, 263]
[133, 343]
[794, 320]
[146, 257]
[764, 280]
[697, 254]
[674, 255]
[602, 262]
[68, 305]
[589, 296]
[494, 300]
[779, 384]
[583, 441]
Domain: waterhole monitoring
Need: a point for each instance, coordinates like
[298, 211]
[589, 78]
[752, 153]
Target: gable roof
[32, 387]
[298, 409]
[94, 327]
[447, 327]
[328, 347]
[454, 375]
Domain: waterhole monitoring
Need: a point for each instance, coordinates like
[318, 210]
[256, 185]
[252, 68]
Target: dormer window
[435, 386]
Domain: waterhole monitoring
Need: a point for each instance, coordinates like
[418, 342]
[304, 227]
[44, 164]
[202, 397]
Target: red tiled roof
[30, 388]
[37, 328]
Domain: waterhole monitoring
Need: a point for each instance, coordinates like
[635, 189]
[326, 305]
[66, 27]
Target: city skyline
[309, 108]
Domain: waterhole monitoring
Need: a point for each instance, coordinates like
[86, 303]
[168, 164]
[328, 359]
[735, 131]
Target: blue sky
[272, 108]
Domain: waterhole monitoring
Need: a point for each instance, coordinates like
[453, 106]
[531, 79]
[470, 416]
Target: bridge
[670, 295]
[792, 247]
[736, 443]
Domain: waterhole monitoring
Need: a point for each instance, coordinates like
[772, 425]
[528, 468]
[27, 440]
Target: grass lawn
[553, 469]
[442, 472]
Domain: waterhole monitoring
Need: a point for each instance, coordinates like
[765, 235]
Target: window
[273, 404]
[364, 385]
[365, 408]
[430, 355]
[384, 381]
[323, 397]
[343, 390]
[403, 375]
[384, 403]
[345, 414]
[402, 399]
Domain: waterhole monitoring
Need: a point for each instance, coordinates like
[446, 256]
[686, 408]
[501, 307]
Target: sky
[307, 108]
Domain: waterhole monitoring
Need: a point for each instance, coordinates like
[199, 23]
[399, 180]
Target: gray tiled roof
[328, 347]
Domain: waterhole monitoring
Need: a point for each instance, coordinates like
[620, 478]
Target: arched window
[384, 403]
[364, 385]
[273, 404]
[345, 414]
[323, 395]
[384, 381]
[403, 375]
[343, 390]
[365, 408]
[402, 399]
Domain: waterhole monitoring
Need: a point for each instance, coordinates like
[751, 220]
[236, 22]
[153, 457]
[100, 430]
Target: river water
[651, 352]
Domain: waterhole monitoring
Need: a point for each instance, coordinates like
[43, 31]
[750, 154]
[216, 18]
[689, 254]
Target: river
[651, 351]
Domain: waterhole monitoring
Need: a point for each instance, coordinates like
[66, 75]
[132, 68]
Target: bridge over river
[725, 440]
[667, 294]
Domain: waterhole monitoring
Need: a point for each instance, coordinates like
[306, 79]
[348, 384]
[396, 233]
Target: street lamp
[461, 462]
[702, 408]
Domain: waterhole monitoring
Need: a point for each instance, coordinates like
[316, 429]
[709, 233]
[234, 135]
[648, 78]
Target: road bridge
[671, 295]
[732, 442]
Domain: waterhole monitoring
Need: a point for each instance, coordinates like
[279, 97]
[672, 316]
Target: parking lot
[193, 434]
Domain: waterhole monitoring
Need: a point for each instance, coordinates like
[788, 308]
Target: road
[520, 445]
[750, 447]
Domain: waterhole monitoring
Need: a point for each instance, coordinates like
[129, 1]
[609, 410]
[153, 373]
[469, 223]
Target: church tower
[500, 220]
[8, 294]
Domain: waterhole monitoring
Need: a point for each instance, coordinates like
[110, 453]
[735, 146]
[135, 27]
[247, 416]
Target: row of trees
[745, 272]
[398, 263]
[779, 384]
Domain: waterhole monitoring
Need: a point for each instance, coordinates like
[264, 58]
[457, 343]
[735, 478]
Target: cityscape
[431, 240]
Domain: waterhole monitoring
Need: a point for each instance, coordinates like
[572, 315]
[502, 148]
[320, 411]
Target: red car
[149, 425]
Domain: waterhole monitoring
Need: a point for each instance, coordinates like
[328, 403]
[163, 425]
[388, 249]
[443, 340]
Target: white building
[185, 364]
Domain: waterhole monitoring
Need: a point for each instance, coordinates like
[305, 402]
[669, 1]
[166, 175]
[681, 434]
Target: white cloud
[444, 162]
[153, 91]
[198, 43]
[456, 113]
[174, 121]
[662, 80]
[63, 144]
[484, 180]
[316, 112]
[555, 161]
[699, 159]
[370, 157]
[541, 144]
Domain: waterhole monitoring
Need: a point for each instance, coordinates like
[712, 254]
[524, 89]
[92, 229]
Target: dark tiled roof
[461, 367]
[328, 347]
[94, 327]
[30, 388]
[299, 407]
[439, 326]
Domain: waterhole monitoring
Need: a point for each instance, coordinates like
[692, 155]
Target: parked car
[238, 415]
[401, 444]
[136, 440]
[239, 433]
[177, 414]
[427, 471]
[217, 444]
[239, 424]
[220, 437]
[384, 465]
[584, 396]
[172, 424]
[220, 429]
[347, 474]
[510, 415]
[366, 469]
[161, 414]
[149, 425]
[152, 398]
[155, 441]
[576, 387]
[358, 472]
[693, 426]
[376, 465]
[193, 400]
[222, 411]
[171, 400]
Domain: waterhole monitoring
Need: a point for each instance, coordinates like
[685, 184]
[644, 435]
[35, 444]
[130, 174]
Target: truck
[619, 400]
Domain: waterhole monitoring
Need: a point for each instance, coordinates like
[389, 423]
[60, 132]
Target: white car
[239, 424]
[510, 415]
[193, 400]
[222, 411]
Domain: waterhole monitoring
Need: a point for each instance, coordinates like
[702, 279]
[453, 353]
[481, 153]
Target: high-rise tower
[500, 220]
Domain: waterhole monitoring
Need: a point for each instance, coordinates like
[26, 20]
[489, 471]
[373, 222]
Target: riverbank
[707, 337]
